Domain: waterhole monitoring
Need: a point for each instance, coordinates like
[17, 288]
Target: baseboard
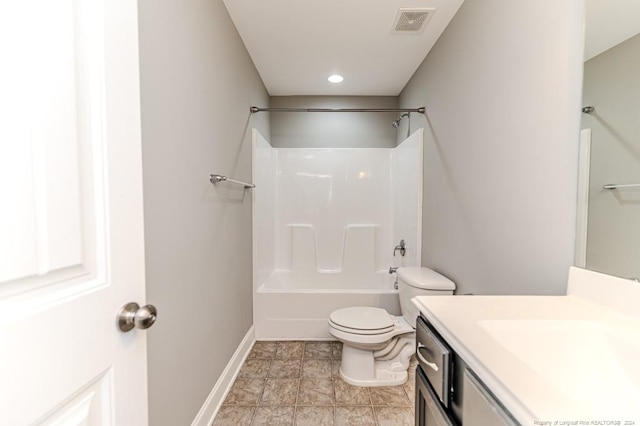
[219, 392]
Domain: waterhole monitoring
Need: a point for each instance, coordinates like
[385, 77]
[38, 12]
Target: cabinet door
[429, 411]
[479, 408]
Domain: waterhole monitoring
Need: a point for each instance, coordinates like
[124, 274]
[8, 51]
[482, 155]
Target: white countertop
[551, 358]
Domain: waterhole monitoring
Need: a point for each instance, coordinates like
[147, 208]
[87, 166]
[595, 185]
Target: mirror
[608, 238]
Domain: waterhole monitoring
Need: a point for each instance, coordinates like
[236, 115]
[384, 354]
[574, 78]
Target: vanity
[531, 360]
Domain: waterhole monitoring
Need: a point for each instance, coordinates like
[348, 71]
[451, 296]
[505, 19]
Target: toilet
[377, 346]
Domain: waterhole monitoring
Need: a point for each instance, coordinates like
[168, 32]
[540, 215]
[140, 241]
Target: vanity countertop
[571, 359]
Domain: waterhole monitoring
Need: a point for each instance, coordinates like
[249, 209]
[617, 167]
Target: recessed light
[335, 78]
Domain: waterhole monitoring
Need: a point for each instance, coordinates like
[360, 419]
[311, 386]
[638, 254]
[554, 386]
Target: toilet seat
[383, 328]
[362, 320]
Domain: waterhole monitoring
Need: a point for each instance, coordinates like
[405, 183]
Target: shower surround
[325, 222]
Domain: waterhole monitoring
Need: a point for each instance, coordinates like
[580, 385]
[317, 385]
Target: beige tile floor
[297, 383]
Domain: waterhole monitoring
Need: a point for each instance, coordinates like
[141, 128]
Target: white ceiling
[297, 44]
[608, 23]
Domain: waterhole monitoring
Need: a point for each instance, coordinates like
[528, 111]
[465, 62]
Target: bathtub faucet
[402, 247]
[393, 269]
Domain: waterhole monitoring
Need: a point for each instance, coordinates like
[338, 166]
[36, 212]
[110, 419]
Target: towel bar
[219, 178]
[616, 186]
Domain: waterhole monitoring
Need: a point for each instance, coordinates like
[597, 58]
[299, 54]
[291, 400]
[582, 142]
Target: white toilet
[377, 347]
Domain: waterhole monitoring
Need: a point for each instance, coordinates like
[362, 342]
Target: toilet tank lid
[425, 278]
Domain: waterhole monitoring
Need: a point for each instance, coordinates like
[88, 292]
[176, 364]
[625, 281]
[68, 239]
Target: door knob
[133, 316]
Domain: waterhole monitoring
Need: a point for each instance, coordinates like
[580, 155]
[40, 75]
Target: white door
[71, 225]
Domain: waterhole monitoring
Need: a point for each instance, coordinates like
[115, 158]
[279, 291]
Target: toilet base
[383, 378]
[370, 368]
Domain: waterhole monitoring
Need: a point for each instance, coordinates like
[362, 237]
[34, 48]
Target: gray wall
[502, 89]
[197, 85]
[612, 85]
[333, 130]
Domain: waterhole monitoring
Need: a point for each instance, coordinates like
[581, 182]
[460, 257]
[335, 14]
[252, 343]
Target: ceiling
[296, 44]
[608, 23]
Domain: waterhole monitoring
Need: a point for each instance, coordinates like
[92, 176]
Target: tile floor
[297, 383]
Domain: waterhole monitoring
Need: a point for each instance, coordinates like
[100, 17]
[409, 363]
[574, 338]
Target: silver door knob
[133, 316]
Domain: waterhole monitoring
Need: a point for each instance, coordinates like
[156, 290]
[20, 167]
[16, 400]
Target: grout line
[295, 405]
[255, 412]
[253, 416]
[375, 416]
[268, 371]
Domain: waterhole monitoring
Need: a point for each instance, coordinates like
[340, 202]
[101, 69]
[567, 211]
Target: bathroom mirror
[608, 237]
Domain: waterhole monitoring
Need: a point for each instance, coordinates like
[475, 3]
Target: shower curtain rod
[255, 109]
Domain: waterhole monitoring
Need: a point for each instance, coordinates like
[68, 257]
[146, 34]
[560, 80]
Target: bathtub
[292, 306]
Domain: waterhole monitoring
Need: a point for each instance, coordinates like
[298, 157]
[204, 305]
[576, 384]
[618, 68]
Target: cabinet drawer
[434, 356]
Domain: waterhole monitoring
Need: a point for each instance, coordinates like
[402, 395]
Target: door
[71, 225]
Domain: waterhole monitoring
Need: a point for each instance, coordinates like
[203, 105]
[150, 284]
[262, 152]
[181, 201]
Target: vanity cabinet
[448, 393]
[527, 354]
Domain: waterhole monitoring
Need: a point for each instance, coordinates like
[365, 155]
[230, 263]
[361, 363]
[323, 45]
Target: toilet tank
[417, 281]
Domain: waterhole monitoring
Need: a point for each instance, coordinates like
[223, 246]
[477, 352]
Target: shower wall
[336, 210]
[406, 197]
[325, 225]
[333, 210]
[264, 208]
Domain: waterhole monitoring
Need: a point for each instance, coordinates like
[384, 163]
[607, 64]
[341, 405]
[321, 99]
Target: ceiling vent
[411, 20]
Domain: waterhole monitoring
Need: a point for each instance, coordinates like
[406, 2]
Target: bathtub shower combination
[325, 224]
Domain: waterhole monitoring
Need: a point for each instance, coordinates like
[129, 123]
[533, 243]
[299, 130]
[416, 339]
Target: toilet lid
[363, 318]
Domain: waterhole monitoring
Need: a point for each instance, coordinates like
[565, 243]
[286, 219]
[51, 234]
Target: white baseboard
[219, 392]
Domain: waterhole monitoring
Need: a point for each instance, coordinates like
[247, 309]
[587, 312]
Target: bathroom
[503, 92]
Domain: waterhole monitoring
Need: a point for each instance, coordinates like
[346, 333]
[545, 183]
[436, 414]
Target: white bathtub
[297, 306]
